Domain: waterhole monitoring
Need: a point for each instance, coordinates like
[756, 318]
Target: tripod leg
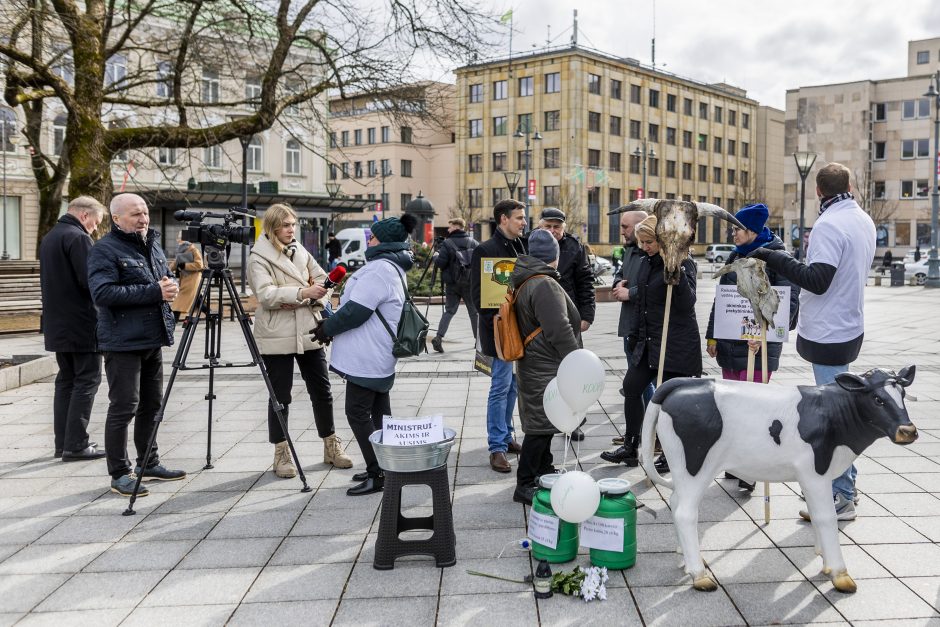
[186, 340]
[256, 357]
[213, 350]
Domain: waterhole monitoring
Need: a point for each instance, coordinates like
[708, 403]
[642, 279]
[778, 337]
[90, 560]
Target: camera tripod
[217, 276]
[428, 266]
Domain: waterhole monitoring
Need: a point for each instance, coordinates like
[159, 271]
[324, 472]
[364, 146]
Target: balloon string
[564, 459]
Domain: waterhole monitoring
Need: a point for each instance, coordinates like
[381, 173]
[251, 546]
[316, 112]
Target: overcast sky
[763, 46]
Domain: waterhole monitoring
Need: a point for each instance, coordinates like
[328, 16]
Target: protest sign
[735, 319]
[412, 431]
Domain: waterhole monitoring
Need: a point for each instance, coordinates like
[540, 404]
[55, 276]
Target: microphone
[335, 277]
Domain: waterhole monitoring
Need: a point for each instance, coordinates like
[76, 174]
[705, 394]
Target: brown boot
[333, 452]
[283, 464]
[499, 463]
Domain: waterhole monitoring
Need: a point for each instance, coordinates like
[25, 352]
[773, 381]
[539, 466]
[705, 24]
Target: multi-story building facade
[880, 130]
[399, 146]
[596, 116]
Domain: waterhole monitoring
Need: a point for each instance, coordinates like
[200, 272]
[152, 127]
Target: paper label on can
[412, 431]
[604, 534]
[543, 529]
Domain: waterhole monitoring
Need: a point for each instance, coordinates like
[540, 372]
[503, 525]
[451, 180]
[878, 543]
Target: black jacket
[683, 347]
[447, 259]
[732, 354]
[124, 270]
[497, 246]
[629, 270]
[68, 314]
[577, 277]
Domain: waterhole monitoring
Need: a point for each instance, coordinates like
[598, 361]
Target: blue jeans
[499, 406]
[648, 392]
[845, 483]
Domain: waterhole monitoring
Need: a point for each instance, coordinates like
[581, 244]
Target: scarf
[825, 203]
[763, 238]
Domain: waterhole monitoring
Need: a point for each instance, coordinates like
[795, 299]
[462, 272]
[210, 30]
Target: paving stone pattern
[235, 545]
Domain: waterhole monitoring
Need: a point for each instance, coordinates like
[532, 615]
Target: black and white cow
[809, 434]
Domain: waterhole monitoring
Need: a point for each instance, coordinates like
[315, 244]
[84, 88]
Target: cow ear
[906, 376]
[851, 382]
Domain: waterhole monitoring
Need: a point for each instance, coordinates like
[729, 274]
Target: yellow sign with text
[494, 281]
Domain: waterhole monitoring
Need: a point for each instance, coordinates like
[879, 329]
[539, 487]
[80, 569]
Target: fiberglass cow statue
[809, 434]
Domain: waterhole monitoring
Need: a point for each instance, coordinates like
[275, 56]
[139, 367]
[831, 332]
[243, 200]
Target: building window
[476, 92]
[552, 120]
[670, 169]
[613, 224]
[345, 138]
[911, 148]
[718, 114]
[58, 133]
[703, 110]
[371, 169]
[386, 134]
[499, 125]
[164, 79]
[406, 135]
[292, 157]
[653, 135]
[731, 174]
[475, 197]
[255, 155]
[703, 173]
[253, 90]
[499, 161]
[745, 178]
[212, 156]
[476, 129]
[880, 151]
[914, 189]
[475, 163]
[702, 141]
[671, 102]
[615, 124]
[553, 83]
[653, 167]
[654, 98]
[370, 135]
[594, 84]
[670, 136]
[357, 137]
[524, 122]
[923, 56]
[210, 86]
[357, 169]
[880, 112]
[687, 171]
[333, 171]
[499, 90]
[687, 106]
[405, 199]
[732, 117]
[616, 89]
[636, 94]
[594, 214]
[523, 159]
[594, 122]
[716, 175]
[634, 129]
[344, 169]
[880, 193]
[745, 150]
[115, 70]
[384, 168]
[166, 156]
[745, 120]
[551, 158]
[686, 139]
[551, 195]
[634, 164]
[615, 161]
[497, 193]
[405, 170]
[594, 158]
[64, 68]
[526, 86]
[731, 146]
[717, 144]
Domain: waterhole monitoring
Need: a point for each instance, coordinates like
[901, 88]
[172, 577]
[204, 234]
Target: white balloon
[581, 379]
[559, 414]
[575, 496]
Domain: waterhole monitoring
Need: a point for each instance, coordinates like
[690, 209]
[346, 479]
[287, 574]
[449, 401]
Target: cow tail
[647, 441]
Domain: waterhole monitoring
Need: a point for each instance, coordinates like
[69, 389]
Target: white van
[717, 253]
[354, 242]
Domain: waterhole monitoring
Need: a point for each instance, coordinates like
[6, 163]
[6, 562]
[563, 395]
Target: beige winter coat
[275, 280]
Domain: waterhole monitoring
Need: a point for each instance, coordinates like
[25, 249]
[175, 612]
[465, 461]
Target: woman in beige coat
[288, 284]
[187, 264]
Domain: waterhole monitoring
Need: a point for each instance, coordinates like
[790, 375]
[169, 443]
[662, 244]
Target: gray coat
[542, 302]
[629, 270]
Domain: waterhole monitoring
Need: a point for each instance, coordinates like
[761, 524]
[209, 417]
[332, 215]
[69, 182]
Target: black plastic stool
[442, 544]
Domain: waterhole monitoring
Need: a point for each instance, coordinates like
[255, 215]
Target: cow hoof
[843, 583]
[826, 571]
[706, 584]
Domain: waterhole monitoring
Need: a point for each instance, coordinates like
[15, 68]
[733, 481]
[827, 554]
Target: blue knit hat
[394, 229]
[754, 217]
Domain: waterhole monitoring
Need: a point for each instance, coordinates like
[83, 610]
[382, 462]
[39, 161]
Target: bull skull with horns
[675, 227]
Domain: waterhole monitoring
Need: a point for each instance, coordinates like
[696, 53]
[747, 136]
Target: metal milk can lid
[613, 486]
[547, 481]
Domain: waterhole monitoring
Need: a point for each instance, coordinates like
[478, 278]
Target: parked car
[601, 266]
[916, 270]
[717, 253]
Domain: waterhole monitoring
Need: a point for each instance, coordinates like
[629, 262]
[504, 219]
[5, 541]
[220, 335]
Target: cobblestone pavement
[236, 545]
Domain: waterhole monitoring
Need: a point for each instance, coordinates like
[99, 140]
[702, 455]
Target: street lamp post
[933, 261]
[5, 137]
[332, 188]
[536, 136]
[245, 142]
[804, 163]
[512, 182]
[643, 154]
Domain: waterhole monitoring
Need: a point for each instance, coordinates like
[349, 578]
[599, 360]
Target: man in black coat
[577, 277]
[455, 260]
[507, 243]
[334, 250]
[132, 289]
[68, 322]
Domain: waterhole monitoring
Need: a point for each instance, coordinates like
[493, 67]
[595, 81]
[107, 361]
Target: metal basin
[416, 458]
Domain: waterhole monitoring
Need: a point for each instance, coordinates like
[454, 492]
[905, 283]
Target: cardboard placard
[735, 320]
[412, 431]
[494, 280]
[604, 534]
[543, 529]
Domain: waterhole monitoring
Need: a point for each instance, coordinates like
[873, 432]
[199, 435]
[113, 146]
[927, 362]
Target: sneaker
[161, 473]
[124, 485]
[436, 344]
[845, 509]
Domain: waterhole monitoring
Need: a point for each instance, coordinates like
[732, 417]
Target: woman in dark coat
[540, 303]
[683, 346]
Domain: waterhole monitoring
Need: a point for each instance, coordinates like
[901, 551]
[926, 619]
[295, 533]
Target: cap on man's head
[551, 213]
[543, 245]
[754, 217]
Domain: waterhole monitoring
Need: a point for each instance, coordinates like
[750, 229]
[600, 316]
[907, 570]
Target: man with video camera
[132, 289]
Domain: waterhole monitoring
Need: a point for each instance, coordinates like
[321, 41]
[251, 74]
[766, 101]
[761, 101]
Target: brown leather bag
[509, 343]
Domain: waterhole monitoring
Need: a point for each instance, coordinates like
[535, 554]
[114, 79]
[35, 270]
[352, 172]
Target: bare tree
[872, 200]
[196, 73]
[569, 201]
[462, 209]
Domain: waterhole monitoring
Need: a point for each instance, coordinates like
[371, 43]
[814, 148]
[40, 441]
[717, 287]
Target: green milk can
[566, 548]
[617, 502]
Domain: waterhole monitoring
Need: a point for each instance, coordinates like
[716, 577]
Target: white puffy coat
[275, 279]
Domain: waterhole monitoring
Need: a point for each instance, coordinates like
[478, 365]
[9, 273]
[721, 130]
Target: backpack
[411, 337]
[509, 343]
[461, 270]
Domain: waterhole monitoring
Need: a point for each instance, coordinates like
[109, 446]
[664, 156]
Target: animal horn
[645, 204]
[708, 209]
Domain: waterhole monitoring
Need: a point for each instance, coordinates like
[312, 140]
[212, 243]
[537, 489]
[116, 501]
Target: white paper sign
[605, 534]
[543, 529]
[412, 431]
[735, 320]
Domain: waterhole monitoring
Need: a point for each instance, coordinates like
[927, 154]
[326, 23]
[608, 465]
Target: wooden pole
[662, 343]
[764, 376]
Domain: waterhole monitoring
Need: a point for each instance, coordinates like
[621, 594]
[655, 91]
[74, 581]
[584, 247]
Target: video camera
[215, 237]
